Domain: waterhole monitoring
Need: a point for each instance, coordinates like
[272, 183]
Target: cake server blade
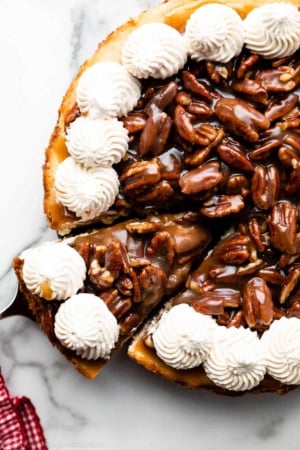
[12, 301]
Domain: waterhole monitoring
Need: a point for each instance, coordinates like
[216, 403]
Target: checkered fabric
[20, 427]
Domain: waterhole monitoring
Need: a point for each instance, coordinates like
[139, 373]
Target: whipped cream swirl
[86, 192]
[106, 90]
[273, 30]
[214, 32]
[154, 50]
[84, 324]
[97, 142]
[53, 270]
[282, 342]
[237, 359]
[183, 337]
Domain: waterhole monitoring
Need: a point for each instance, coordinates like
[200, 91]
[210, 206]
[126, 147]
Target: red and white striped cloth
[20, 427]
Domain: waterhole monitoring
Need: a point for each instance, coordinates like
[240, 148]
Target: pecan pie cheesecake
[89, 293]
[192, 106]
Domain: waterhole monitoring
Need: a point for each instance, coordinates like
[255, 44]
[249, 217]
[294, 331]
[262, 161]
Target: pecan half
[256, 234]
[214, 302]
[277, 80]
[199, 109]
[135, 122]
[265, 186]
[232, 152]
[281, 107]
[156, 194]
[271, 275]
[161, 98]
[153, 279]
[283, 227]
[289, 284]
[155, 134]
[293, 185]
[246, 65]
[257, 304]
[241, 118]
[237, 184]
[289, 157]
[130, 323]
[118, 305]
[191, 83]
[201, 179]
[234, 250]
[162, 244]
[139, 175]
[222, 205]
[251, 90]
[269, 141]
[143, 226]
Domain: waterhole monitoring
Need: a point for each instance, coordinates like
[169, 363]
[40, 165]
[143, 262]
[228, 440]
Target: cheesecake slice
[91, 292]
[235, 327]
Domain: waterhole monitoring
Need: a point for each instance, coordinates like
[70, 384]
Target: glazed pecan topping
[252, 275]
[132, 265]
[218, 138]
[233, 152]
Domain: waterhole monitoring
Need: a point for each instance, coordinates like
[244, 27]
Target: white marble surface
[42, 43]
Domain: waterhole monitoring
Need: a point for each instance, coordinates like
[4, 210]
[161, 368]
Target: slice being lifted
[89, 293]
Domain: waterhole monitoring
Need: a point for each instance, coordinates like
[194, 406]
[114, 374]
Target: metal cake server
[15, 303]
